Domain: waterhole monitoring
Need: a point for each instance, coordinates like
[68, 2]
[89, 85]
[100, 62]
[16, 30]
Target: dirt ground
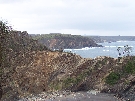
[84, 96]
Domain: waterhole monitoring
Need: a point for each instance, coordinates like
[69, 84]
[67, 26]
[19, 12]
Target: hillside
[15, 46]
[51, 71]
[65, 41]
[29, 68]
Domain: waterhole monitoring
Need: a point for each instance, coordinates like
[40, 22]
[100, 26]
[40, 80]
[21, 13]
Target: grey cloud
[95, 26]
[103, 15]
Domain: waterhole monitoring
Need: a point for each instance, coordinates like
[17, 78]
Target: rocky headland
[64, 41]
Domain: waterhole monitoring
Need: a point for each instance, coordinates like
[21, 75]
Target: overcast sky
[85, 17]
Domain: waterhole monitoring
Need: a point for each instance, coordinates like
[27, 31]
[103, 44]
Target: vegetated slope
[106, 74]
[32, 69]
[51, 71]
[15, 47]
[65, 41]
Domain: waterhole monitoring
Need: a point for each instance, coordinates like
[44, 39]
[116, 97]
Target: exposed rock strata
[47, 71]
[65, 41]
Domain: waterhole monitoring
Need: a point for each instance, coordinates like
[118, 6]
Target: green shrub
[129, 68]
[69, 81]
[112, 78]
[75, 80]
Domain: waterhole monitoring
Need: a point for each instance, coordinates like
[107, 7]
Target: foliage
[129, 68]
[112, 78]
[55, 85]
[125, 51]
[75, 80]
[51, 36]
[69, 81]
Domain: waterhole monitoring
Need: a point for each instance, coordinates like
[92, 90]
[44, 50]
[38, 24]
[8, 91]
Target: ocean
[108, 49]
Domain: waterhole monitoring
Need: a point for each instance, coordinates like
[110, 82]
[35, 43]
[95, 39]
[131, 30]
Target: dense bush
[129, 68]
[112, 78]
[68, 82]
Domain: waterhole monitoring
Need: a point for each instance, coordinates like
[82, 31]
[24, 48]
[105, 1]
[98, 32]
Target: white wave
[113, 46]
[106, 46]
[86, 48]
[77, 49]
[118, 41]
[66, 49]
[110, 46]
[121, 41]
[123, 46]
[120, 46]
[105, 50]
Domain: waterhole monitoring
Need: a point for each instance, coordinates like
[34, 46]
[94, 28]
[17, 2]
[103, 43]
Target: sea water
[108, 49]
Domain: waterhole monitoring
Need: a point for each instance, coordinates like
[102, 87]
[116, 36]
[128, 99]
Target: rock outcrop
[65, 41]
[51, 71]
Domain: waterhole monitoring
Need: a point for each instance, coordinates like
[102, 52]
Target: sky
[77, 17]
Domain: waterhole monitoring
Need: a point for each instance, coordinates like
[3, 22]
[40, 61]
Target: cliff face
[41, 71]
[58, 41]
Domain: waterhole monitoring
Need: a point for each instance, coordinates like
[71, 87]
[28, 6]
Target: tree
[119, 49]
[125, 51]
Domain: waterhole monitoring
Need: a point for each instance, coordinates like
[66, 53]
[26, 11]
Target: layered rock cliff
[65, 41]
[50, 71]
